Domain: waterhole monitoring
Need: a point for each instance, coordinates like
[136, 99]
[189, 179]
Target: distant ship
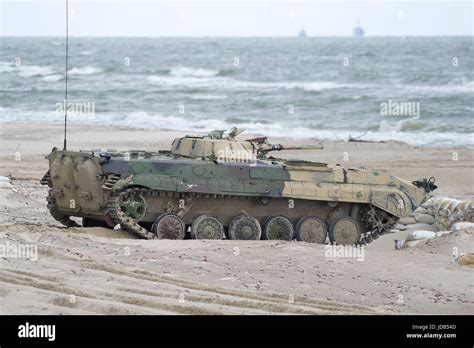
[358, 31]
[302, 33]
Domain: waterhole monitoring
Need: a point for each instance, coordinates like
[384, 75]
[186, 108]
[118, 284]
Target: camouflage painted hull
[93, 186]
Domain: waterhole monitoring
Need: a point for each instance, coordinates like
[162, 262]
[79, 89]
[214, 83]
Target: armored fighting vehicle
[208, 187]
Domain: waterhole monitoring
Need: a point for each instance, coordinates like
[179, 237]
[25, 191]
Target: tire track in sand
[276, 299]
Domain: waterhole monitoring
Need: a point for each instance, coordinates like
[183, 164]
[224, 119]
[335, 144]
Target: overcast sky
[235, 18]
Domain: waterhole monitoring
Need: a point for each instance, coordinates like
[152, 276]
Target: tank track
[119, 217]
[63, 219]
[379, 221]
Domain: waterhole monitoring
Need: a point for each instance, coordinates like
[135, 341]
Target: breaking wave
[24, 70]
[88, 70]
[144, 120]
[53, 78]
[453, 87]
[6, 67]
[230, 83]
[208, 97]
[47, 72]
[405, 125]
[185, 71]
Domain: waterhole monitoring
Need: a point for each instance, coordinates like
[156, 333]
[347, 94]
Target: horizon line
[235, 37]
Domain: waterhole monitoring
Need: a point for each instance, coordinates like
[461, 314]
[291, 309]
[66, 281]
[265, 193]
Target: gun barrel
[280, 147]
[303, 147]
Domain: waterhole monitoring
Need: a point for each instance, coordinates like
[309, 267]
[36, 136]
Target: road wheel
[278, 227]
[345, 230]
[311, 229]
[207, 227]
[245, 227]
[133, 205]
[169, 226]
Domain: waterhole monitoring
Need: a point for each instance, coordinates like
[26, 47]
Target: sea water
[325, 88]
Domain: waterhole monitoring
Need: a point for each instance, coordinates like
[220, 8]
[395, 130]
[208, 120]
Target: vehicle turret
[214, 146]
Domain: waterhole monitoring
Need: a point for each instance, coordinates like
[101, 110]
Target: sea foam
[88, 70]
[144, 120]
[195, 72]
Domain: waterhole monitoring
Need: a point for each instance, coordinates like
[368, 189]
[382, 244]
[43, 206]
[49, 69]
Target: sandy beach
[99, 271]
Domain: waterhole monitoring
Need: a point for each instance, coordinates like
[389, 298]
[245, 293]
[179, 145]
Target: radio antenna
[65, 100]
